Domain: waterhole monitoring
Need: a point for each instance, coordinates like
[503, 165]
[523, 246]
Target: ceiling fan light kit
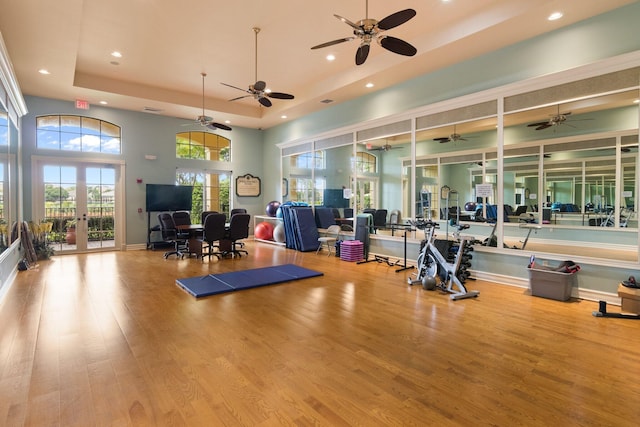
[454, 137]
[555, 120]
[368, 30]
[205, 120]
[259, 90]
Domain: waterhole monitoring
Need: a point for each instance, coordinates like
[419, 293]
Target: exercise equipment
[278, 233]
[212, 284]
[264, 231]
[602, 312]
[443, 264]
[272, 208]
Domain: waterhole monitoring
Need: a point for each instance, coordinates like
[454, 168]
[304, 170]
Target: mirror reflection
[562, 170]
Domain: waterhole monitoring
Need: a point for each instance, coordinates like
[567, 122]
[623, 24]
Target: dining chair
[395, 217]
[329, 239]
[214, 231]
[379, 219]
[170, 234]
[238, 229]
[204, 215]
[181, 218]
[237, 211]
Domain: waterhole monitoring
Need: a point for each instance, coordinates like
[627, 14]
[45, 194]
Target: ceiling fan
[451, 138]
[207, 121]
[368, 30]
[385, 147]
[259, 90]
[555, 120]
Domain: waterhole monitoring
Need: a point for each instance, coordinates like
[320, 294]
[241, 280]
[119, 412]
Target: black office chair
[379, 219]
[170, 234]
[348, 212]
[181, 218]
[237, 211]
[238, 229]
[214, 231]
[204, 215]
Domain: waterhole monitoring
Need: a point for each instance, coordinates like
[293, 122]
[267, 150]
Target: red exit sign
[82, 104]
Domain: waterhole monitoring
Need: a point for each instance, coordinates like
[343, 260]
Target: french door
[82, 201]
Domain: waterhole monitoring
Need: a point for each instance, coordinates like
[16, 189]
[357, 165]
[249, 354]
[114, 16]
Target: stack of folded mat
[351, 250]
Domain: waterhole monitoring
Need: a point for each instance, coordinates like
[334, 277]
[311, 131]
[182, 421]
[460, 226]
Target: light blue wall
[595, 39]
[144, 133]
[256, 152]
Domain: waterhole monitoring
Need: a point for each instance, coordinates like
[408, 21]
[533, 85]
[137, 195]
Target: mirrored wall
[8, 175]
[560, 160]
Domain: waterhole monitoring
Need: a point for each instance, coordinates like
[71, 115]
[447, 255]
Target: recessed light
[43, 71]
[116, 54]
[283, 116]
[369, 85]
[331, 57]
[103, 102]
[228, 122]
[636, 101]
[554, 16]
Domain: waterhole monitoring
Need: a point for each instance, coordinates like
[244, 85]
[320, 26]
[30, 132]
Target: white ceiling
[167, 44]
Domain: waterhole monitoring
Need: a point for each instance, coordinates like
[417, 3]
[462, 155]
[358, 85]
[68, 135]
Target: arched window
[203, 146]
[366, 163]
[77, 133]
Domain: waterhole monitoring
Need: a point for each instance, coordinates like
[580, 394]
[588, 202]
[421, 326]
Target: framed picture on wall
[248, 186]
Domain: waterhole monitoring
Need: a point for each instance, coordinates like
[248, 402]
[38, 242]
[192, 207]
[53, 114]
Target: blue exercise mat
[213, 284]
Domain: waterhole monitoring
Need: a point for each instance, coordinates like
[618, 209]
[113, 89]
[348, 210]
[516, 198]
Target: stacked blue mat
[300, 228]
[213, 284]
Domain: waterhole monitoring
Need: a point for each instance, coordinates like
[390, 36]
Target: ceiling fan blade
[240, 97]
[264, 101]
[442, 140]
[398, 46]
[538, 124]
[349, 23]
[218, 126]
[235, 87]
[362, 53]
[544, 126]
[279, 95]
[396, 19]
[259, 85]
[331, 43]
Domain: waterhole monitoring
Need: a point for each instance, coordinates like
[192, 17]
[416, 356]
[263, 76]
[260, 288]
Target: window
[313, 160]
[365, 162]
[4, 129]
[203, 146]
[304, 190]
[77, 133]
[210, 191]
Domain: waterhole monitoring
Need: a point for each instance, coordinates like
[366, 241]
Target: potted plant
[70, 237]
[41, 245]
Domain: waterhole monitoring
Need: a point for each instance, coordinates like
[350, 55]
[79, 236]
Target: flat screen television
[166, 197]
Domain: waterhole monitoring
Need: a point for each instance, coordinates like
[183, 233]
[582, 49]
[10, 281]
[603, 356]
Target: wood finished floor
[109, 340]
